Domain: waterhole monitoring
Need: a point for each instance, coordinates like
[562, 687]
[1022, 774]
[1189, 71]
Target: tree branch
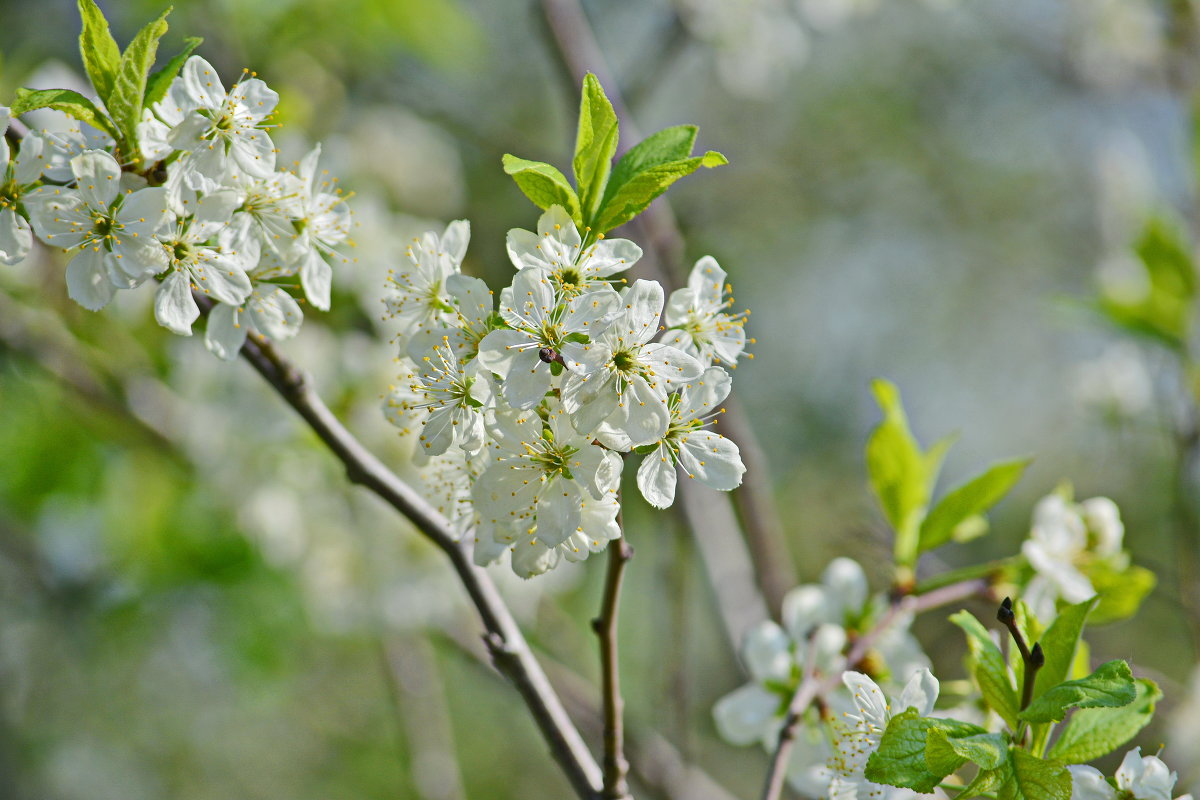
[813, 686]
[616, 768]
[506, 644]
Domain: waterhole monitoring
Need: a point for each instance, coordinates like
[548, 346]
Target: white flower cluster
[224, 223]
[816, 620]
[523, 413]
[1065, 539]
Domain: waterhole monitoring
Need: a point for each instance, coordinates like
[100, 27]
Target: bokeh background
[195, 604]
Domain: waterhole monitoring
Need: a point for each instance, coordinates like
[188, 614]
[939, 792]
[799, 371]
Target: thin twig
[654, 762]
[616, 767]
[805, 693]
[506, 644]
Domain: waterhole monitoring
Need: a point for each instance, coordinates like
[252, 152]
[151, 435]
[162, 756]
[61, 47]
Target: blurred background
[195, 604]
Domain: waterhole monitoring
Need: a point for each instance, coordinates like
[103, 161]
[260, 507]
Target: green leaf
[669, 144]
[595, 145]
[989, 669]
[1163, 312]
[1031, 778]
[543, 184]
[71, 103]
[1092, 733]
[985, 783]
[160, 80]
[639, 191]
[1110, 686]
[129, 91]
[945, 754]
[1058, 645]
[899, 471]
[99, 50]
[1121, 591]
[973, 497]
[900, 759]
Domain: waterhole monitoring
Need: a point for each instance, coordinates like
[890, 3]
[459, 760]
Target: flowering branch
[761, 527]
[616, 767]
[813, 685]
[509, 650]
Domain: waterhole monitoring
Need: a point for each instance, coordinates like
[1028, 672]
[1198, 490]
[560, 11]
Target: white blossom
[696, 318]
[623, 378]
[223, 133]
[204, 255]
[1139, 777]
[418, 297]
[452, 396]
[16, 176]
[1063, 538]
[541, 474]
[706, 456]
[558, 248]
[321, 219]
[110, 232]
[542, 327]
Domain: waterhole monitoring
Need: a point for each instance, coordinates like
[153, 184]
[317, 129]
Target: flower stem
[615, 765]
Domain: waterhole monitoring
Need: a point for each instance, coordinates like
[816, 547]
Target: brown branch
[656, 228]
[656, 763]
[509, 651]
[616, 767]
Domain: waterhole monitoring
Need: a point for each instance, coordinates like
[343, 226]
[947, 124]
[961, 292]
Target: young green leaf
[669, 144]
[543, 184]
[99, 50]
[989, 669]
[639, 191]
[1092, 733]
[129, 90]
[1121, 591]
[973, 497]
[71, 103]
[1058, 645]
[595, 145]
[1110, 686]
[945, 753]
[985, 783]
[1031, 778]
[158, 83]
[899, 471]
[1164, 311]
[900, 759]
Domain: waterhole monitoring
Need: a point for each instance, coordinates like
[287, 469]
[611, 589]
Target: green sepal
[988, 668]
[595, 146]
[900, 759]
[1092, 733]
[160, 80]
[129, 90]
[1027, 777]
[99, 51]
[945, 753]
[1110, 686]
[70, 103]
[969, 500]
[544, 185]
[556, 368]
[632, 197]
